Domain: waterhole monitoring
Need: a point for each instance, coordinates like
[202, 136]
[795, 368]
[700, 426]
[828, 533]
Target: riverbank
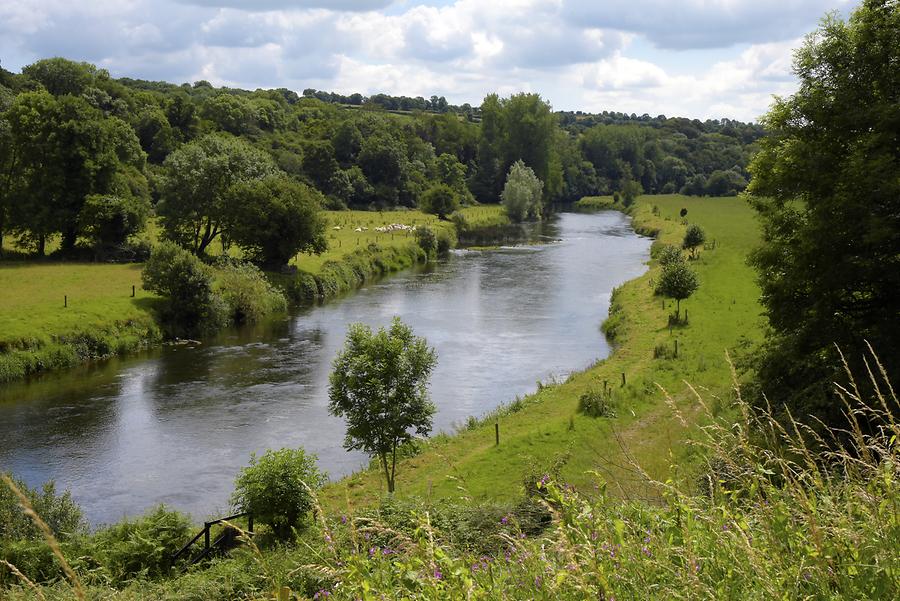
[546, 426]
[58, 315]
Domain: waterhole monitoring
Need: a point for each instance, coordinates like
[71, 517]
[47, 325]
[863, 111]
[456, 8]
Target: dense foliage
[379, 384]
[278, 488]
[826, 184]
[70, 132]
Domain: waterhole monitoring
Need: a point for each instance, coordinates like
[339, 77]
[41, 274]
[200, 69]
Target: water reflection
[175, 425]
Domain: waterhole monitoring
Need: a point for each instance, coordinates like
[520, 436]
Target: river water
[175, 425]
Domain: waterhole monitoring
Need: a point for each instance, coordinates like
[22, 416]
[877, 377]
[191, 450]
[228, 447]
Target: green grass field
[648, 430]
[32, 296]
[98, 295]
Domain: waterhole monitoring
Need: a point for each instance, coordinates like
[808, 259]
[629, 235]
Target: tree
[521, 195]
[108, 220]
[65, 151]
[274, 218]
[379, 384]
[197, 178]
[60, 76]
[826, 185]
[277, 489]
[693, 237]
[440, 200]
[677, 281]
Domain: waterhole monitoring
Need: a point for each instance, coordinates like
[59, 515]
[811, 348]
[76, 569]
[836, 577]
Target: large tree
[380, 386]
[61, 151]
[826, 184]
[198, 176]
[274, 218]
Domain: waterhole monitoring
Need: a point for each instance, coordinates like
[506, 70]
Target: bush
[277, 489]
[247, 293]
[59, 511]
[595, 404]
[192, 307]
[440, 200]
[427, 239]
[143, 547]
[669, 255]
[445, 242]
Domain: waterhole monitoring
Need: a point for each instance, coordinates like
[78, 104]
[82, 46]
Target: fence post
[132, 291]
[65, 301]
[250, 522]
[623, 378]
[497, 433]
[206, 537]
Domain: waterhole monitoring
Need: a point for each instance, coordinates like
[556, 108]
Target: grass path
[724, 311]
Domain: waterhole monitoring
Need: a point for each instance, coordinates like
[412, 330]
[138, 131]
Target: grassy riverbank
[55, 315]
[546, 425]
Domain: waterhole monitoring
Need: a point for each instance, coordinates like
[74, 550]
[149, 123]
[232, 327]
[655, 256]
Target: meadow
[46, 306]
[546, 427]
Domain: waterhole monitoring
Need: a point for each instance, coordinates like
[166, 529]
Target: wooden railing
[205, 533]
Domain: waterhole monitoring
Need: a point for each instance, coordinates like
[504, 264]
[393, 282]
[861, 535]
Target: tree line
[87, 158]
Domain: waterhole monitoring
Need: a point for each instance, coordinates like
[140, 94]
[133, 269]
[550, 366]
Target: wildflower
[438, 575]
[504, 520]
[322, 594]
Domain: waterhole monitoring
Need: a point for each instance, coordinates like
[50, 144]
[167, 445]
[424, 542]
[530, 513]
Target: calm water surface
[174, 426]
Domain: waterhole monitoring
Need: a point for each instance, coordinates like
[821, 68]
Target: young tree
[522, 193]
[277, 489]
[274, 218]
[677, 281]
[826, 184]
[380, 386]
[440, 200]
[693, 237]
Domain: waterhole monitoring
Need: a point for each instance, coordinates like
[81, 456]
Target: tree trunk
[42, 243]
[677, 309]
[387, 473]
[69, 238]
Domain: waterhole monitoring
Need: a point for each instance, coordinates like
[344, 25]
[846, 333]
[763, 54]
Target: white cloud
[687, 24]
[581, 55]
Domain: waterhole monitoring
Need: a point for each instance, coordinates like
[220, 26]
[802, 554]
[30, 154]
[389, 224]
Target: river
[176, 424]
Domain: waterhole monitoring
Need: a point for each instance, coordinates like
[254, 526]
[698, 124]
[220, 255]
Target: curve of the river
[174, 426]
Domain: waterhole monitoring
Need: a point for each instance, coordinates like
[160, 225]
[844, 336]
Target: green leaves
[379, 384]
[277, 489]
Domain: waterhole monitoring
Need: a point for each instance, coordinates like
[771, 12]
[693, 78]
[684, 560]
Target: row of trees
[87, 157]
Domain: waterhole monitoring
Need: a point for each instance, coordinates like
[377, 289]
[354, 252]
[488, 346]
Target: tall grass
[783, 512]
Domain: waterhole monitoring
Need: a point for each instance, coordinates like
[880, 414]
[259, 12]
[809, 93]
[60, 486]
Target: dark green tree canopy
[274, 218]
[379, 384]
[441, 200]
[826, 184]
[197, 178]
[693, 237]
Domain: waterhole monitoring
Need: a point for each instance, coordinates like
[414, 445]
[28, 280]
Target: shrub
[427, 239]
[247, 293]
[445, 242]
[59, 511]
[669, 255]
[440, 200]
[192, 307]
[595, 404]
[277, 489]
[143, 547]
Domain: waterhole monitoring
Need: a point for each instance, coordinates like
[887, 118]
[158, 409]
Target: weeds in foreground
[782, 510]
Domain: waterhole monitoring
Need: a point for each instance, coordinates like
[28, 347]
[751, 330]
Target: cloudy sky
[696, 58]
